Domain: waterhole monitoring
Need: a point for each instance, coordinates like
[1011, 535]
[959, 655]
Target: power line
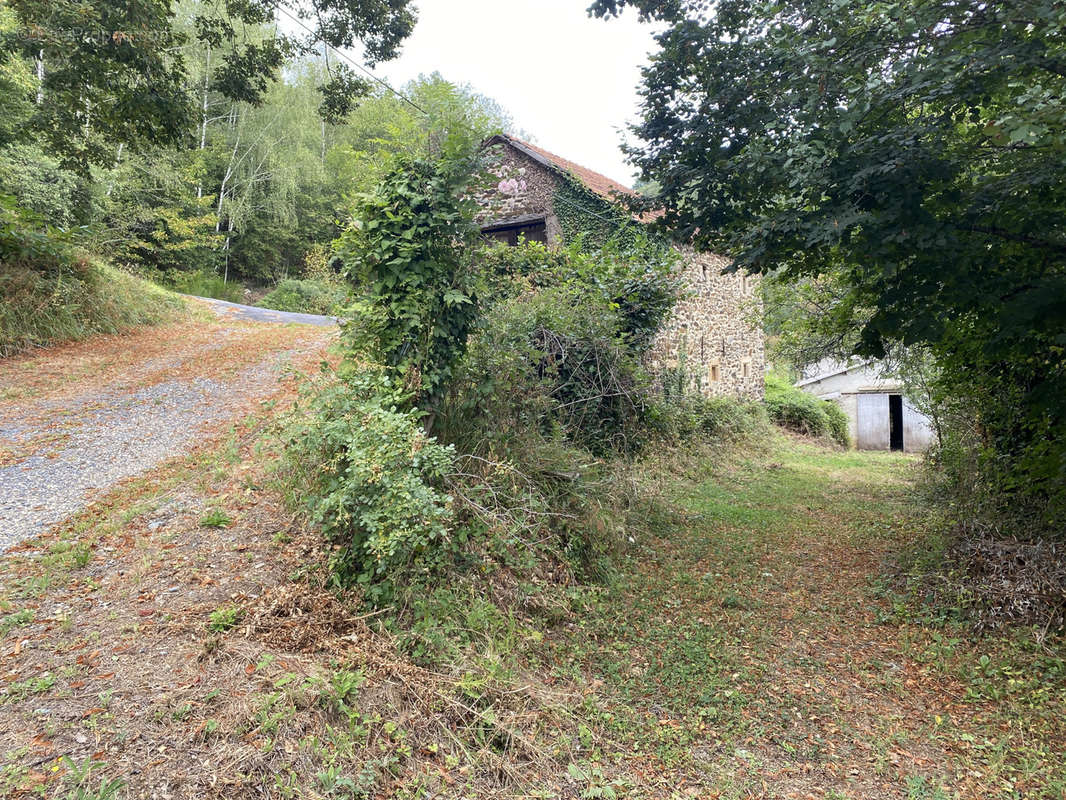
[353, 62]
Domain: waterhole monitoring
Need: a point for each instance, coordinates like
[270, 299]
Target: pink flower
[510, 186]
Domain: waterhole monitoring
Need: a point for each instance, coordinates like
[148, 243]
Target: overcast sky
[568, 80]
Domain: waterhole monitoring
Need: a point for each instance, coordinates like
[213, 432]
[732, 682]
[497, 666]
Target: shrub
[640, 280]
[406, 252]
[553, 360]
[223, 618]
[27, 241]
[684, 418]
[201, 283]
[372, 479]
[801, 412]
[307, 296]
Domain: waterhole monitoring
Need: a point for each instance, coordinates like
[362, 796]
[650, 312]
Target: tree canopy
[115, 72]
[914, 150]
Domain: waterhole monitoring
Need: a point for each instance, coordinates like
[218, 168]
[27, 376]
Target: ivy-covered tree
[913, 150]
[407, 251]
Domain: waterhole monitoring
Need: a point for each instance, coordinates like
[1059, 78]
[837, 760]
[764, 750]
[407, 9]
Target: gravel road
[255, 314]
[60, 450]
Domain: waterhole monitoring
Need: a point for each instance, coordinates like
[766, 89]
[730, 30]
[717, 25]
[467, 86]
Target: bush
[552, 360]
[639, 280]
[685, 418]
[372, 479]
[307, 296]
[796, 410]
[201, 283]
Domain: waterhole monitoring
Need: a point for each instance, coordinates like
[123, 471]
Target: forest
[230, 187]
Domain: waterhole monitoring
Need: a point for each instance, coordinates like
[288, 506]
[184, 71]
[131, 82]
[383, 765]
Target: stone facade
[713, 343]
[520, 188]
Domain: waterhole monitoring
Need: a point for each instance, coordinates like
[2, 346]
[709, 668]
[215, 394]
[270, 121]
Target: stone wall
[713, 343]
[519, 187]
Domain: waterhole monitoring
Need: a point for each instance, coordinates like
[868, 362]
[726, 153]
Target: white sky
[569, 81]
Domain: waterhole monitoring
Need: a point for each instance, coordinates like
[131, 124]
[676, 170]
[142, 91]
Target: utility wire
[353, 62]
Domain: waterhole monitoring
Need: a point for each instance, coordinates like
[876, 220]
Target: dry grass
[85, 298]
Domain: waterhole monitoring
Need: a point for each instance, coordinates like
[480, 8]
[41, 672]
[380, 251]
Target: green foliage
[223, 618]
[95, 57]
[215, 518]
[913, 154]
[371, 474]
[200, 284]
[587, 217]
[307, 296]
[27, 241]
[16, 83]
[42, 187]
[73, 300]
[553, 359]
[637, 278]
[404, 251]
[16, 620]
[687, 418]
[150, 218]
[804, 413]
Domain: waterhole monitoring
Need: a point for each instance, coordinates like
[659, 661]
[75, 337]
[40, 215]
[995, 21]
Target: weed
[919, 788]
[74, 302]
[215, 518]
[16, 620]
[223, 618]
[78, 778]
[38, 685]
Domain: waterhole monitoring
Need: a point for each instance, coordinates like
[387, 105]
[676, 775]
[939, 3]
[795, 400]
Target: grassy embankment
[749, 644]
[44, 307]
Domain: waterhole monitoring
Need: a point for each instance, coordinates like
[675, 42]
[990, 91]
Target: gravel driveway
[256, 314]
[67, 442]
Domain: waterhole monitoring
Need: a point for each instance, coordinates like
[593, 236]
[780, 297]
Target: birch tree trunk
[203, 117]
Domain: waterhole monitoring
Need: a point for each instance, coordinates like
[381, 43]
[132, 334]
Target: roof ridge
[596, 181]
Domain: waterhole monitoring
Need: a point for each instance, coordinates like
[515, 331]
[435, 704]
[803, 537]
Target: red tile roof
[600, 184]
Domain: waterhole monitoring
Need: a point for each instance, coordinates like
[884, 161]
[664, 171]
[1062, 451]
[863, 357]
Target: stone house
[713, 342]
[880, 416]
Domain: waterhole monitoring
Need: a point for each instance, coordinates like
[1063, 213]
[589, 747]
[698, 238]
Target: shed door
[873, 422]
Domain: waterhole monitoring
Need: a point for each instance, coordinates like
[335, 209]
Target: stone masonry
[521, 187]
[713, 343]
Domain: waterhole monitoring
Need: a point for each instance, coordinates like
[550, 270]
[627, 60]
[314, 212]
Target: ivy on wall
[587, 217]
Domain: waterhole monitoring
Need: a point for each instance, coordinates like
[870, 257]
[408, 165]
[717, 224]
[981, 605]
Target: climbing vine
[587, 217]
[406, 251]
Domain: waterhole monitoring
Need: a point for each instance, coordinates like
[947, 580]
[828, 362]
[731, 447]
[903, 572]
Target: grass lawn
[181, 638]
[750, 647]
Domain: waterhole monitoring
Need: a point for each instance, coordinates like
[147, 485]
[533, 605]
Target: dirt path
[755, 644]
[78, 419]
[183, 637]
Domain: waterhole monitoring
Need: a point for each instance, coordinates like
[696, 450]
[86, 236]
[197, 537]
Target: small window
[745, 368]
[513, 234]
[713, 372]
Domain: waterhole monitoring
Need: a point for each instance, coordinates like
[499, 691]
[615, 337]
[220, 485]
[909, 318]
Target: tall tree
[113, 72]
[916, 150]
